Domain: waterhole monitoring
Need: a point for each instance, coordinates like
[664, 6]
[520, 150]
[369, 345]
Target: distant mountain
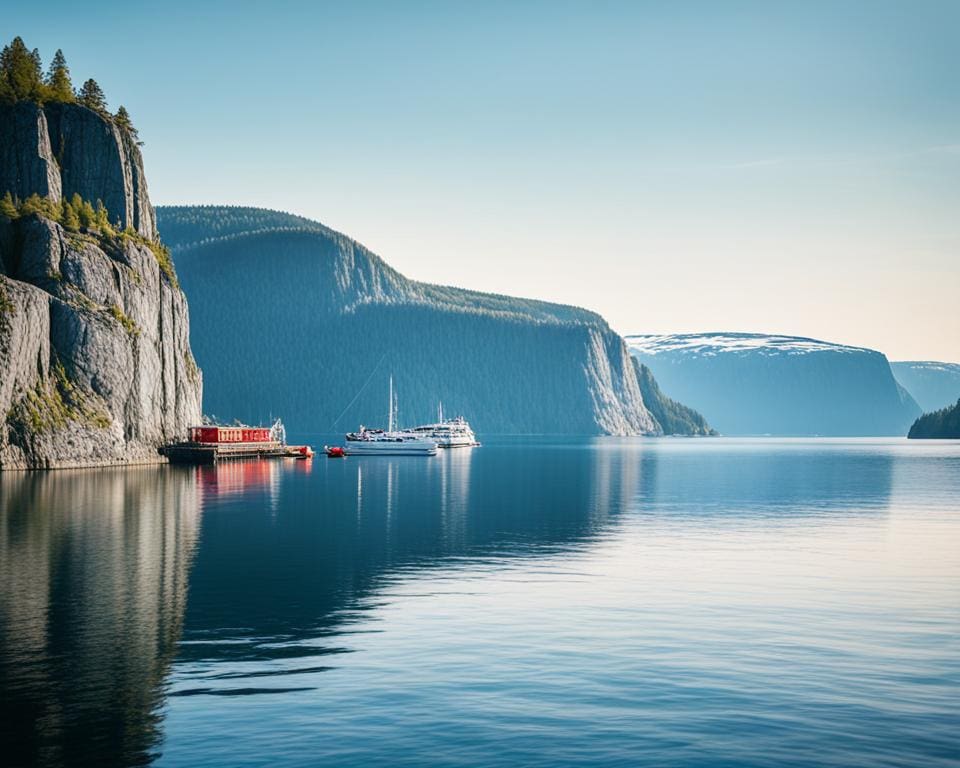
[944, 423]
[755, 384]
[933, 385]
[674, 418]
[290, 317]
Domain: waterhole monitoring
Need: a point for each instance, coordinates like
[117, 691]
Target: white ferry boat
[389, 442]
[448, 433]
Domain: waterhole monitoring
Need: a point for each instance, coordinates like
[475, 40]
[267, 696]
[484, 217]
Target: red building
[216, 434]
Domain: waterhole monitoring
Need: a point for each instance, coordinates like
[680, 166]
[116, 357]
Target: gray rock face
[95, 360]
[62, 149]
[27, 164]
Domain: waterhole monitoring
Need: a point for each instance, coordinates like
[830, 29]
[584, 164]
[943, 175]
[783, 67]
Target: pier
[211, 453]
[211, 443]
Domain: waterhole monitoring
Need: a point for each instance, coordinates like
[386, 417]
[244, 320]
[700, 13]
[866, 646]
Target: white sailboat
[377, 442]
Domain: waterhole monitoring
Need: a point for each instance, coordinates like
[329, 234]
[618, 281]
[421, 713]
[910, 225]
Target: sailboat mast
[390, 417]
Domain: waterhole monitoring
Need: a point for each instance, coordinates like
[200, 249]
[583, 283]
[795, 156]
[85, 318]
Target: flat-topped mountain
[756, 384]
[290, 317]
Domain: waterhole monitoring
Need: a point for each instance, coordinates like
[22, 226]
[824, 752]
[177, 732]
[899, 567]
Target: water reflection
[295, 556]
[266, 587]
[94, 571]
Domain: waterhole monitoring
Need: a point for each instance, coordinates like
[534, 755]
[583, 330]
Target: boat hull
[389, 448]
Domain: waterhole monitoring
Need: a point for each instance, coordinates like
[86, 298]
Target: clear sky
[676, 166]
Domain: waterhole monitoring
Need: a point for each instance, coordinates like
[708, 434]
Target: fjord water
[531, 602]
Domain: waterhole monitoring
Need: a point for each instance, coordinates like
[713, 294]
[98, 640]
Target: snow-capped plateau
[719, 343]
[768, 384]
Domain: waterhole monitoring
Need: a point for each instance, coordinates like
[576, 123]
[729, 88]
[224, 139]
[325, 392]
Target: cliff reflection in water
[94, 568]
[266, 585]
[97, 631]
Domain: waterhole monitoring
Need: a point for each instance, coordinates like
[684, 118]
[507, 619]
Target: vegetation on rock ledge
[80, 216]
[22, 79]
[53, 403]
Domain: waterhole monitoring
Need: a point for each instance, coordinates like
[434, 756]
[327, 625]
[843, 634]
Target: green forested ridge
[674, 418]
[187, 228]
[292, 318]
[944, 424]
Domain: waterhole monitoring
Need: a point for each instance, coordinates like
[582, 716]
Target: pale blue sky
[676, 166]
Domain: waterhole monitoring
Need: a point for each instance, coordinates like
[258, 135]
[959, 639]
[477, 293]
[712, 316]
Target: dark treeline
[944, 424]
[674, 418]
[191, 227]
[22, 79]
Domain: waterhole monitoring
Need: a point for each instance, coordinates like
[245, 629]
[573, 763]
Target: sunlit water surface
[531, 602]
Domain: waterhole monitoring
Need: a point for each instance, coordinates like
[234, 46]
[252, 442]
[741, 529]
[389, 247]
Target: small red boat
[334, 451]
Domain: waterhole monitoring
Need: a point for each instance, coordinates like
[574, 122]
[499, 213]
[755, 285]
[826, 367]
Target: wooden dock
[211, 453]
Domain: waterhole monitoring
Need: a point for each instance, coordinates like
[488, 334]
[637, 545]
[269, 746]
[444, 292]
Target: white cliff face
[95, 361]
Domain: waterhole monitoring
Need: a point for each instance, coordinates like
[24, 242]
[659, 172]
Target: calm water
[548, 603]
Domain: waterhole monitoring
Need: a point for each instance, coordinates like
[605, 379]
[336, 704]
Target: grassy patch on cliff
[53, 403]
[128, 325]
[7, 307]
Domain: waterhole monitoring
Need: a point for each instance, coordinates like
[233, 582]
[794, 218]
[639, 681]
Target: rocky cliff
[672, 417]
[293, 318]
[95, 361]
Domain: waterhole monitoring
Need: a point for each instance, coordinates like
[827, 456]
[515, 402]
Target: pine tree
[33, 204]
[92, 96]
[8, 206]
[102, 218]
[58, 79]
[122, 119]
[20, 75]
[70, 219]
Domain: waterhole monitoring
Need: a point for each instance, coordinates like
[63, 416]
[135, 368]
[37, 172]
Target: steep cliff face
[756, 384]
[934, 385]
[95, 361]
[340, 321]
[60, 150]
[673, 418]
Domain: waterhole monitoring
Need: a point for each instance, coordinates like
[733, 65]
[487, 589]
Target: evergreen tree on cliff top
[20, 76]
[58, 79]
[91, 95]
[122, 118]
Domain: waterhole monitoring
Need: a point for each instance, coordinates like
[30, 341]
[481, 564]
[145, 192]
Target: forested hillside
[292, 318]
[944, 424]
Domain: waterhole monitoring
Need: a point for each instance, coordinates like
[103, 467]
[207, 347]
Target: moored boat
[389, 442]
[448, 433]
